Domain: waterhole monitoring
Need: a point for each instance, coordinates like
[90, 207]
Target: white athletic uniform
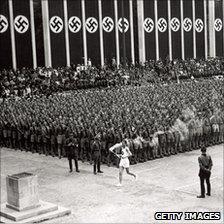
[125, 153]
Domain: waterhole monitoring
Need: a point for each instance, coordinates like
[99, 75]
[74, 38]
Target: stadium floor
[168, 184]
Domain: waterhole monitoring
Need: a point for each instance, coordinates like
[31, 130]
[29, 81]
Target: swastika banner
[162, 25]
[75, 30]
[57, 32]
[199, 28]
[149, 28]
[218, 27]
[124, 30]
[5, 40]
[108, 24]
[187, 26]
[175, 25]
[38, 23]
[92, 31]
[21, 12]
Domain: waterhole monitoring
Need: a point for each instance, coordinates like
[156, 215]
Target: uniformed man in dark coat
[14, 136]
[10, 135]
[103, 146]
[162, 143]
[83, 145]
[169, 141]
[1, 133]
[53, 140]
[145, 145]
[72, 148]
[110, 139]
[32, 138]
[206, 130]
[205, 164]
[96, 155]
[177, 146]
[60, 139]
[26, 136]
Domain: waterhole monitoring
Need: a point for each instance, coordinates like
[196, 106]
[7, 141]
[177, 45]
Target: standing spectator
[205, 164]
[72, 147]
[96, 155]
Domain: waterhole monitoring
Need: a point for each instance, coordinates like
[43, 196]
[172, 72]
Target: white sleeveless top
[125, 152]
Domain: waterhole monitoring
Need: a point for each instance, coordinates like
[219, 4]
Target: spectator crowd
[44, 80]
[158, 119]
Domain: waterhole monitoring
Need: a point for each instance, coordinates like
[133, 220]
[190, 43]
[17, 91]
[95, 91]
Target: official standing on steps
[205, 164]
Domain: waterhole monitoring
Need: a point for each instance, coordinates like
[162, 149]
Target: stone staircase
[44, 212]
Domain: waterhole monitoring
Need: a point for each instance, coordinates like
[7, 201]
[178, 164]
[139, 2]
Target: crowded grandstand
[111, 111]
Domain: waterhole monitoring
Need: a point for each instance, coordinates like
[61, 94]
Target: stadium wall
[66, 32]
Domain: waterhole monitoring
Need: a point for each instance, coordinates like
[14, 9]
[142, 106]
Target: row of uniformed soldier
[53, 141]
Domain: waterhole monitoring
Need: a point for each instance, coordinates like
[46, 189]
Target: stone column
[46, 33]
[141, 32]
[211, 30]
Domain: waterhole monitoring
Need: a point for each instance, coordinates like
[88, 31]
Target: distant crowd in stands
[44, 80]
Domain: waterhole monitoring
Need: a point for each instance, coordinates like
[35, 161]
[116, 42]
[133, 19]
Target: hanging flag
[175, 25]
[92, 31]
[162, 25]
[108, 24]
[124, 30]
[199, 28]
[149, 28]
[57, 33]
[39, 33]
[5, 39]
[218, 27]
[75, 31]
[187, 26]
[22, 27]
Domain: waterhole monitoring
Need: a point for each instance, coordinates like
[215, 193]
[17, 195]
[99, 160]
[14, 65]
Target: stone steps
[45, 211]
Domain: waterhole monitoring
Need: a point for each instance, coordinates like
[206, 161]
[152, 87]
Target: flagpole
[156, 29]
[222, 3]
[169, 31]
[12, 35]
[46, 33]
[182, 30]
[65, 7]
[132, 32]
[84, 32]
[211, 17]
[123, 33]
[205, 30]
[194, 32]
[101, 33]
[116, 33]
[141, 31]
[33, 34]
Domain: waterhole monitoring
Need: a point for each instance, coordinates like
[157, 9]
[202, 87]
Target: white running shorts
[124, 162]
